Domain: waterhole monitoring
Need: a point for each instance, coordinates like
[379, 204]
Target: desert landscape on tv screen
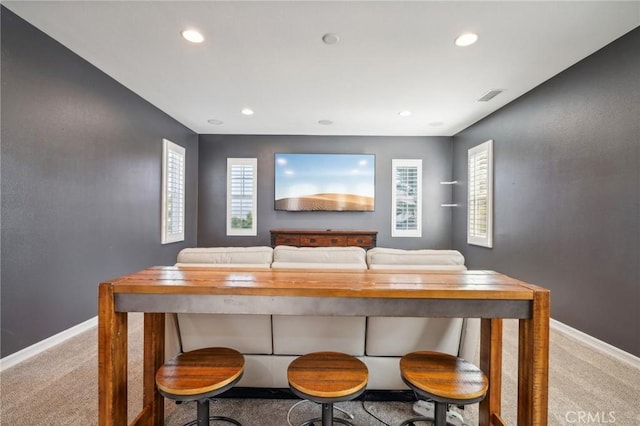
[324, 182]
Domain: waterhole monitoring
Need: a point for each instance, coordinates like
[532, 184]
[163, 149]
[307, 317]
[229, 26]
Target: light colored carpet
[59, 387]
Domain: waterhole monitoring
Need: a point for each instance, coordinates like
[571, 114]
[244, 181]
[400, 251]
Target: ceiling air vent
[490, 95]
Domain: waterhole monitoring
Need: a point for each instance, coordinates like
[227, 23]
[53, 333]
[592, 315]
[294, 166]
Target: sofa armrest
[172, 345]
[470, 339]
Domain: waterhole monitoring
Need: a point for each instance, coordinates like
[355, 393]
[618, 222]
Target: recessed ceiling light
[466, 39]
[404, 113]
[215, 122]
[247, 111]
[330, 38]
[193, 36]
[325, 122]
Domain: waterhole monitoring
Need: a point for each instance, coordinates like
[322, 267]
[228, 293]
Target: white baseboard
[28, 352]
[597, 344]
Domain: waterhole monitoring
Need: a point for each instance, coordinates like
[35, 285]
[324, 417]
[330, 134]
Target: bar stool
[325, 378]
[443, 379]
[199, 375]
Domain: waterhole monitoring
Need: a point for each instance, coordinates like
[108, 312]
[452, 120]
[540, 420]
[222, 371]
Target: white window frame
[414, 196]
[480, 191]
[173, 192]
[253, 164]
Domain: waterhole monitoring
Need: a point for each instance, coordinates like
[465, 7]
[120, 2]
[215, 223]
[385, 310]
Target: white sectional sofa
[271, 342]
[388, 338]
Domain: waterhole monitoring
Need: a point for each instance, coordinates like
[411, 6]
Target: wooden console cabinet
[323, 238]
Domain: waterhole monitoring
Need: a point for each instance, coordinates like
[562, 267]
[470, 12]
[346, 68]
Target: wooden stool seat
[325, 378]
[444, 379]
[198, 375]
[331, 375]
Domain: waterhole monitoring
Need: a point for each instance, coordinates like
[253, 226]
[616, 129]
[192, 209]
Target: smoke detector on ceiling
[330, 38]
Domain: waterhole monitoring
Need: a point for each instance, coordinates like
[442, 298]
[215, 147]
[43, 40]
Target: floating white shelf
[453, 182]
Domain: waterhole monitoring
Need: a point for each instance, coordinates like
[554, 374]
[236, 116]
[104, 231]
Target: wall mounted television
[325, 182]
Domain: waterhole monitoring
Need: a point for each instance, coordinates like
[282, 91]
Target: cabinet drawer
[360, 241]
[323, 240]
[287, 240]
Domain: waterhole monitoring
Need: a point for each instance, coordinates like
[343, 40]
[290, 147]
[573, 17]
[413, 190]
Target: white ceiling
[392, 56]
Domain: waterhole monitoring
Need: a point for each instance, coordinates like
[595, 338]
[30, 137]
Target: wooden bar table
[473, 294]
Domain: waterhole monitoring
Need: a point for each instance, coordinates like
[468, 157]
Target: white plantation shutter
[241, 196]
[480, 202]
[406, 198]
[173, 192]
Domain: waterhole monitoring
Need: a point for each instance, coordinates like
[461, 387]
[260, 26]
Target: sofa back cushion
[298, 335]
[390, 336]
[249, 334]
[319, 257]
[389, 258]
[259, 256]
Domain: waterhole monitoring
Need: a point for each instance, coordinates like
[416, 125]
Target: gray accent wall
[435, 153]
[81, 170]
[567, 197]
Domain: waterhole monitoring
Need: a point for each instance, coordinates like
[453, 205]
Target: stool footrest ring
[318, 420]
[421, 419]
[218, 418]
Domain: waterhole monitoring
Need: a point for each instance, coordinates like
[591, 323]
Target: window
[406, 198]
[173, 175]
[241, 196]
[480, 202]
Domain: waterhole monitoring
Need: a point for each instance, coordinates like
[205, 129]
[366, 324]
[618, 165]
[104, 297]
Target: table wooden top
[324, 283]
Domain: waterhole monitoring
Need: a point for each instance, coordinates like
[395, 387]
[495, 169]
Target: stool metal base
[327, 418]
[312, 422]
[203, 416]
[431, 420]
[215, 418]
[439, 418]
